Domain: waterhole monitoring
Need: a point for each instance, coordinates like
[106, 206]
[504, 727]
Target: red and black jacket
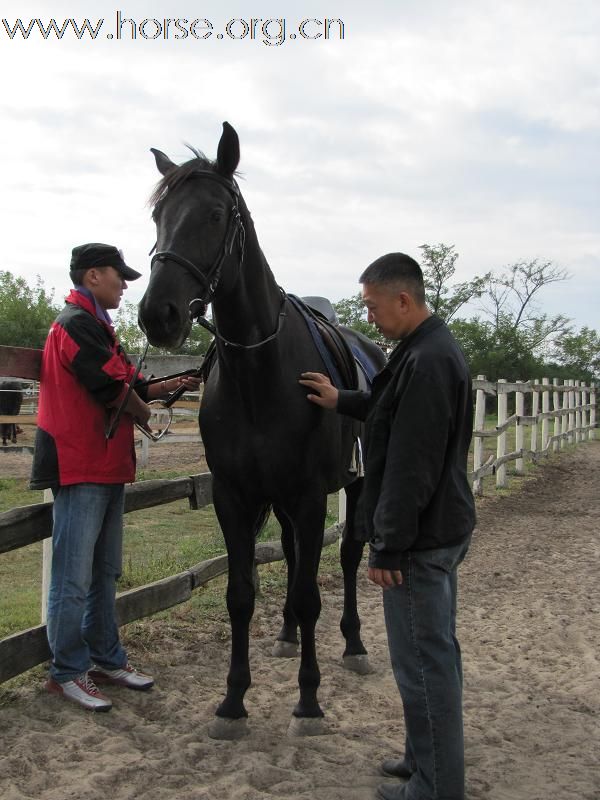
[84, 370]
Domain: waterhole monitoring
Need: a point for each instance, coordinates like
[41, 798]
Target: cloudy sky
[468, 122]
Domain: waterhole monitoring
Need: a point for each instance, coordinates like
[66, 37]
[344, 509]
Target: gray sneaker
[81, 690]
[126, 676]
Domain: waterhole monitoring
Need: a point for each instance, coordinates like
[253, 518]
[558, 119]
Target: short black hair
[76, 276]
[396, 268]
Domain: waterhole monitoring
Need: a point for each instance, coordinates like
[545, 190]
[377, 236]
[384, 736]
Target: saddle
[321, 321]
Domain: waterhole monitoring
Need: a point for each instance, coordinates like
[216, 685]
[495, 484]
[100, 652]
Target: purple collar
[101, 313]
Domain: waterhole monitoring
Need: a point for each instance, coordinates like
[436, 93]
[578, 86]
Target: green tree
[511, 301]
[26, 312]
[496, 351]
[514, 340]
[133, 338]
[438, 265]
[352, 313]
[127, 329]
[577, 355]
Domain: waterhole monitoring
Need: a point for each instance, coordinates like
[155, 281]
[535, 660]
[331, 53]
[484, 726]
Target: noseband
[209, 278]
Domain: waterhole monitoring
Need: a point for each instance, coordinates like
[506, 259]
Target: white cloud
[470, 122]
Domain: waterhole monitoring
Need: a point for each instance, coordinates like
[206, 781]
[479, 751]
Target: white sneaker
[81, 690]
[126, 676]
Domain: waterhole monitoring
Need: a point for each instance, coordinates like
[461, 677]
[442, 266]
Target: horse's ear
[228, 153]
[163, 162]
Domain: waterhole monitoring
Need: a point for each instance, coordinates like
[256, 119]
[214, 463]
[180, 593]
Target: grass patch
[157, 542]
[14, 492]
[20, 570]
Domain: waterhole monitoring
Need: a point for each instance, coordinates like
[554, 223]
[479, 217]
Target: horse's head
[199, 240]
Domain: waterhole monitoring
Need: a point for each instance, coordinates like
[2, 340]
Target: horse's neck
[249, 313]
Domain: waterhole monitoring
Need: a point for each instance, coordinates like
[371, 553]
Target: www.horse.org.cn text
[273, 31]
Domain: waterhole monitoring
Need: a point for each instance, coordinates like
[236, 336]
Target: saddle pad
[333, 348]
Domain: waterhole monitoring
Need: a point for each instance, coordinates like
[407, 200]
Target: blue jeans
[87, 539]
[420, 618]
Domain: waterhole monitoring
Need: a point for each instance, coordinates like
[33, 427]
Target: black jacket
[419, 421]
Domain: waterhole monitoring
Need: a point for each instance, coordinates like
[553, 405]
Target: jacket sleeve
[100, 370]
[353, 403]
[420, 428]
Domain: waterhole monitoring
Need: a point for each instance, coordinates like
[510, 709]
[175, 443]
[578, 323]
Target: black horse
[11, 397]
[266, 445]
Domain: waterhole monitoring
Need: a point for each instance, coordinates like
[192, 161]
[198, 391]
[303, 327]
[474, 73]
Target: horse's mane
[179, 174]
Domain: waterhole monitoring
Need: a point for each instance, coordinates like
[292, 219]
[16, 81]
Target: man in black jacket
[417, 511]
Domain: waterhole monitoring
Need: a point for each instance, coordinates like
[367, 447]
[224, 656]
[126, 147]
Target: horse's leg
[14, 434]
[308, 520]
[239, 520]
[286, 645]
[355, 655]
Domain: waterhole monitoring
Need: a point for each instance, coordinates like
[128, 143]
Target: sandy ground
[530, 635]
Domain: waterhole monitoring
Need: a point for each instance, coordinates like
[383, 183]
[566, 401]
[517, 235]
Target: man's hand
[386, 578]
[139, 410]
[168, 385]
[327, 394]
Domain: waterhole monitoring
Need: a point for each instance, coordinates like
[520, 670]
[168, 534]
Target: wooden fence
[20, 527]
[188, 406]
[570, 420]
[573, 419]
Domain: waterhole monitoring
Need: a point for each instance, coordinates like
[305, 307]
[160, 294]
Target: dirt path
[530, 636]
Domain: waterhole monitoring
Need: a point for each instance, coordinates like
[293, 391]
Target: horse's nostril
[162, 322]
[169, 317]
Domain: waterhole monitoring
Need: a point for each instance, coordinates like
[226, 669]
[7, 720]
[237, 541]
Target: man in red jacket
[84, 378]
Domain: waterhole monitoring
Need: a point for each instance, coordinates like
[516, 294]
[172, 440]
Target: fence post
[501, 440]
[520, 412]
[535, 406]
[556, 405]
[479, 424]
[571, 426]
[584, 414]
[545, 409]
[564, 420]
[46, 564]
[592, 432]
[577, 412]
[342, 506]
[144, 451]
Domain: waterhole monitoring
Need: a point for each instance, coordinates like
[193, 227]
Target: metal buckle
[160, 420]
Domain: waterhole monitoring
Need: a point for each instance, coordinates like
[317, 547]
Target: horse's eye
[216, 215]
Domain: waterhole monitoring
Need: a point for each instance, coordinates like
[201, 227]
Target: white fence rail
[567, 416]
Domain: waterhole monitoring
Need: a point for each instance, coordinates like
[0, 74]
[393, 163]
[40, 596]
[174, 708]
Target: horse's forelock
[179, 174]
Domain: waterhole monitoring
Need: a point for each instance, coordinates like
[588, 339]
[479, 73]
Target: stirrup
[356, 464]
[161, 419]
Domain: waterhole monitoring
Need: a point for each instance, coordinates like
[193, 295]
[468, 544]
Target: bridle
[209, 279]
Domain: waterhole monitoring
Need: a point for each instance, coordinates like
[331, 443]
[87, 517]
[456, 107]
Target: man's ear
[91, 276]
[405, 300]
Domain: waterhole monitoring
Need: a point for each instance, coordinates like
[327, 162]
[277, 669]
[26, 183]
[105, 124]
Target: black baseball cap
[94, 254]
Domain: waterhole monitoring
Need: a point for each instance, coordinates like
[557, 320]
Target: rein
[281, 316]
[210, 278]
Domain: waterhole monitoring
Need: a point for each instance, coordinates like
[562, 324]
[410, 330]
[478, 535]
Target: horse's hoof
[359, 664]
[306, 726]
[228, 729]
[285, 649]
